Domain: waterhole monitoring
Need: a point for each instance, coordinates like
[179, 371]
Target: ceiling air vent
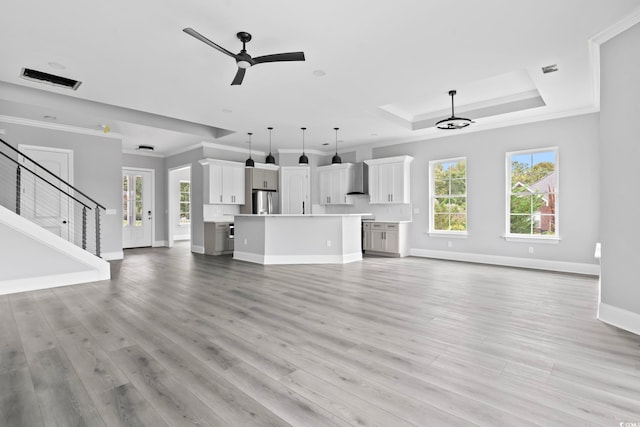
[42, 77]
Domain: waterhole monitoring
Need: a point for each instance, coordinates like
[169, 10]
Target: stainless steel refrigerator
[264, 202]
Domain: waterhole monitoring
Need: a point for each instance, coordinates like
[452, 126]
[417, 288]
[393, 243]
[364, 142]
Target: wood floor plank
[63, 399]
[18, 402]
[171, 399]
[177, 338]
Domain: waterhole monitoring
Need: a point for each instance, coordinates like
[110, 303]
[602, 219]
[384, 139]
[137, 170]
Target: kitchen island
[298, 239]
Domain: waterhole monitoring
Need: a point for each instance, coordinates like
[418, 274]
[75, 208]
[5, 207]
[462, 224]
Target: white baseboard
[197, 249]
[112, 256]
[619, 317]
[538, 264]
[297, 259]
[159, 244]
[46, 282]
[185, 237]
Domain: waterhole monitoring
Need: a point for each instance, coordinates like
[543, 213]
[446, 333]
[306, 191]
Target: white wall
[619, 155]
[577, 142]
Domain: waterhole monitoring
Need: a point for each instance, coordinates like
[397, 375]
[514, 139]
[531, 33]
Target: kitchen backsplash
[361, 205]
[215, 211]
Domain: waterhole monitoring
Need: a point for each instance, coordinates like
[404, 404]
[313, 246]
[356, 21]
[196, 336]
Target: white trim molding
[197, 249]
[537, 264]
[112, 256]
[619, 317]
[58, 126]
[49, 281]
[297, 259]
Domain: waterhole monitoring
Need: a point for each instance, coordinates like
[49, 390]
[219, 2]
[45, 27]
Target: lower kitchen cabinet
[218, 238]
[386, 238]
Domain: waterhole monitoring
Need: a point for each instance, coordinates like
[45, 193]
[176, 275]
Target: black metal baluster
[98, 231]
[84, 228]
[18, 189]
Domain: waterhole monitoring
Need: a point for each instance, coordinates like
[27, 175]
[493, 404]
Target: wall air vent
[145, 147]
[42, 77]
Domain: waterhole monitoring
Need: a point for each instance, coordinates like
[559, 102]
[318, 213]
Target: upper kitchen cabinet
[263, 178]
[335, 181]
[223, 182]
[390, 180]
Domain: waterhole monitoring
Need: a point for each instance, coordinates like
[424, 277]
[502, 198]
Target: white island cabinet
[298, 239]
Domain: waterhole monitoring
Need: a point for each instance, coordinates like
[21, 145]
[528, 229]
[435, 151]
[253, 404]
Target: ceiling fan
[243, 59]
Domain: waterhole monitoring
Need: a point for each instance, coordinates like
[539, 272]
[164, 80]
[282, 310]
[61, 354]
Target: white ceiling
[387, 66]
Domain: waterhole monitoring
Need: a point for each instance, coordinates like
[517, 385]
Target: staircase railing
[33, 191]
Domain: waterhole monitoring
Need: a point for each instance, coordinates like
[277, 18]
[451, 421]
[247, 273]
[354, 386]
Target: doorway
[137, 207]
[179, 197]
[39, 202]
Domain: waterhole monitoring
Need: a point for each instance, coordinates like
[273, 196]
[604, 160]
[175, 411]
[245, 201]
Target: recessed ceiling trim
[58, 126]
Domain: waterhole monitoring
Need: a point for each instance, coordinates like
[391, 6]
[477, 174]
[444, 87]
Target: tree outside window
[448, 184]
[532, 193]
[185, 202]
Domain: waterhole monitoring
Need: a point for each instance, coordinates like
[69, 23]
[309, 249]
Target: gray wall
[97, 170]
[619, 154]
[160, 195]
[577, 142]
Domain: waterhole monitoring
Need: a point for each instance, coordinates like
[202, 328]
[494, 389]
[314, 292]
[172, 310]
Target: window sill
[532, 239]
[448, 235]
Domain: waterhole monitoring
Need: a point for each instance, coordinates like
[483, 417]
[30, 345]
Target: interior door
[295, 190]
[40, 202]
[137, 211]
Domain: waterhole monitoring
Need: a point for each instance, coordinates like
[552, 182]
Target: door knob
[64, 221]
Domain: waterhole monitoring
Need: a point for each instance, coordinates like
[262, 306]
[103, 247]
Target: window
[532, 190]
[185, 202]
[448, 198]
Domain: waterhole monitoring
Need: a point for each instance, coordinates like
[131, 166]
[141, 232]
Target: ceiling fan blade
[239, 77]
[203, 39]
[278, 57]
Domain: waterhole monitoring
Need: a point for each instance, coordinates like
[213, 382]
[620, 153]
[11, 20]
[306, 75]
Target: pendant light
[303, 160]
[270, 159]
[336, 160]
[249, 163]
[453, 122]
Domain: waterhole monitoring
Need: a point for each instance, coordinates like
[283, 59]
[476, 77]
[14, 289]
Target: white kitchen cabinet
[223, 182]
[295, 191]
[334, 182]
[390, 180]
[386, 238]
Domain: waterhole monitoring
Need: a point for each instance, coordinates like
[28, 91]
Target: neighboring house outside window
[185, 202]
[532, 193]
[448, 196]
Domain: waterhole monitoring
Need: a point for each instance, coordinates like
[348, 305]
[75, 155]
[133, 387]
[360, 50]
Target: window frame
[540, 238]
[180, 202]
[447, 233]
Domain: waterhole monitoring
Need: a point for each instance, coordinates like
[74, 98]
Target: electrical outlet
[245, 240]
[416, 211]
[328, 243]
[530, 249]
[450, 244]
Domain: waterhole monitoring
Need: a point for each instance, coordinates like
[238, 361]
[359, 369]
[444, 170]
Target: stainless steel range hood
[361, 179]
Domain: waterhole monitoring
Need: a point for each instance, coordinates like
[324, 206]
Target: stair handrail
[50, 173]
[45, 180]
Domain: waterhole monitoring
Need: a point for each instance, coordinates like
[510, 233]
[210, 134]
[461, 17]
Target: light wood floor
[182, 339]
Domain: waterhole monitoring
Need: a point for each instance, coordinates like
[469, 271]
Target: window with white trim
[532, 193]
[185, 202]
[448, 196]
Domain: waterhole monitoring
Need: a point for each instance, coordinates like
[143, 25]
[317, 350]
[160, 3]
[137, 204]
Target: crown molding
[143, 153]
[58, 127]
[298, 151]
